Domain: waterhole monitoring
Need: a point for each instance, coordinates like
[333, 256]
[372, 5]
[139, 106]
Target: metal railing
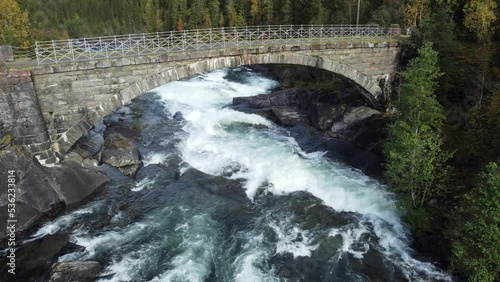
[108, 47]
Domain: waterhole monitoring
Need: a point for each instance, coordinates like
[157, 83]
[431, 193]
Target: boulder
[323, 114]
[364, 126]
[289, 116]
[34, 258]
[259, 101]
[41, 191]
[77, 181]
[280, 98]
[356, 115]
[90, 144]
[80, 271]
[120, 149]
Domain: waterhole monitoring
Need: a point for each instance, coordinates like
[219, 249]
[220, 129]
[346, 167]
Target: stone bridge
[49, 105]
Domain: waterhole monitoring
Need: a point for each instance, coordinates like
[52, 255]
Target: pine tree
[267, 12]
[196, 14]
[285, 12]
[214, 9]
[315, 12]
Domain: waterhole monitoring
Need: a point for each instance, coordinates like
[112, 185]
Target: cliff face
[41, 192]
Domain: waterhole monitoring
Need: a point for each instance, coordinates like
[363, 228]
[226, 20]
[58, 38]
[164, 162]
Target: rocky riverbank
[335, 120]
[323, 113]
[43, 193]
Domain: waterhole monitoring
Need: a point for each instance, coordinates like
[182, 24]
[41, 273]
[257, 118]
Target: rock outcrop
[41, 191]
[335, 120]
[81, 271]
[343, 116]
[114, 142]
[120, 149]
[34, 257]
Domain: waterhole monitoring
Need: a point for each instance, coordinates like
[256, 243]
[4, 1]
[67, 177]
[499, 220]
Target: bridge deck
[111, 47]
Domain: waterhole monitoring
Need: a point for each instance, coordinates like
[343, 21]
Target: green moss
[7, 145]
[137, 125]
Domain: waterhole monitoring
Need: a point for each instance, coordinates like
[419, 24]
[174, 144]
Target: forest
[443, 149]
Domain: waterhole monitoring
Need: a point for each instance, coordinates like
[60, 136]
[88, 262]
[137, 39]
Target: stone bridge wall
[69, 98]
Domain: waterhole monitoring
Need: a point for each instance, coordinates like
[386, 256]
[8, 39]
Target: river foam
[167, 226]
[268, 159]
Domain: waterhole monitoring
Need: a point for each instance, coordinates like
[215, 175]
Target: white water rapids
[223, 142]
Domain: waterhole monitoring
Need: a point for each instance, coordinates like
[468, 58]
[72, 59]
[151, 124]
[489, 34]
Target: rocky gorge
[334, 120]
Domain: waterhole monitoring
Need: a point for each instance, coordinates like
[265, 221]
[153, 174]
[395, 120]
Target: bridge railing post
[236, 36]
[210, 46]
[197, 40]
[171, 42]
[269, 32]
[254, 37]
[71, 51]
[183, 36]
[101, 45]
[54, 51]
[37, 53]
[223, 38]
[157, 43]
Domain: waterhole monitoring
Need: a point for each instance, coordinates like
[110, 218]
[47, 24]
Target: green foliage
[75, 27]
[5, 141]
[439, 28]
[482, 133]
[285, 13]
[137, 125]
[480, 16]
[14, 28]
[390, 12]
[7, 144]
[56, 19]
[415, 166]
[476, 241]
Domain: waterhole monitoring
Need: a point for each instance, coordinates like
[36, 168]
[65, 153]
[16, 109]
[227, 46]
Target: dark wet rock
[289, 116]
[77, 182]
[75, 271]
[178, 116]
[34, 258]
[278, 98]
[323, 115]
[355, 115]
[336, 120]
[120, 149]
[364, 126]
[259, 101]
[42, 192]
[90, 144]
[69, 248]
[373, 267]
[311, 139]
[193, 188]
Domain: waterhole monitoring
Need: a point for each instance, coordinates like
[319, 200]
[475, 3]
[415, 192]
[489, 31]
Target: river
[299, 217]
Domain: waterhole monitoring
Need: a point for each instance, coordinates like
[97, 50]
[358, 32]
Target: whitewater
[307, 218]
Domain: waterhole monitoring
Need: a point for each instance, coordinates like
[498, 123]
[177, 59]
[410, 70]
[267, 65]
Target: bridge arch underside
[63, 141]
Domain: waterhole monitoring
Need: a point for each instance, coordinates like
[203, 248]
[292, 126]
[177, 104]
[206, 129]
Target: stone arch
[367, 86]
